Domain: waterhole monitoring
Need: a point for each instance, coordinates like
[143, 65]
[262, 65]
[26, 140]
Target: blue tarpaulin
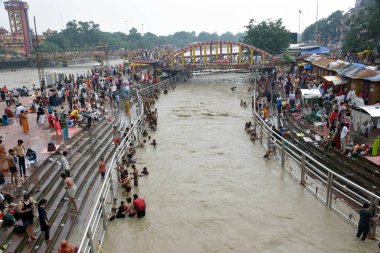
[359, 64]
[308, 66]
[374, 79]
[318, 50]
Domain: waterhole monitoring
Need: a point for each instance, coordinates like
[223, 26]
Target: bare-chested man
[127, 184]
[70, 187]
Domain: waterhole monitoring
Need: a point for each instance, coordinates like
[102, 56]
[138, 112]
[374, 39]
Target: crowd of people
[64, 106]
[128, 173]
[334, 108]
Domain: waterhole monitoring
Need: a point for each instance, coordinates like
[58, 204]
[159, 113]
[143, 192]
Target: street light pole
[40, 69]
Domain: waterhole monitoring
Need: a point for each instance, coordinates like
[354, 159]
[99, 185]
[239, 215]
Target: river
[29, 76]
[210, 190]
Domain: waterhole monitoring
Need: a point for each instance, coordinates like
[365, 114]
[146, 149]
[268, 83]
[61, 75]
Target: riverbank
[29, 76]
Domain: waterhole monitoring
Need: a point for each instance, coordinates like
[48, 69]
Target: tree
[49, 47]
[227, 36]
[150, 40]
[364, 29]
[328, 29]
[134, 39]
[271, 36]
[183, 38]
[205, 36]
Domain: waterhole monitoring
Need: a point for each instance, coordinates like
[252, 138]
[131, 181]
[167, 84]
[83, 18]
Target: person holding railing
[364, 222]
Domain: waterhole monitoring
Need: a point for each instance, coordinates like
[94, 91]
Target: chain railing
[335, 191]
[97, 223]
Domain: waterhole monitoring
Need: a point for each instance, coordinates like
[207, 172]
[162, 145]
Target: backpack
[19, 229]
[9, 220]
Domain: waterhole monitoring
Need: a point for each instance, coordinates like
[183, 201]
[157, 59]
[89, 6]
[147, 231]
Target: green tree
[183, 38]
[227, 36]
[49, 47]
[134, 39]
[328, 29]
[271, 36]
[364, 29]
[205, 36]
[150, 40]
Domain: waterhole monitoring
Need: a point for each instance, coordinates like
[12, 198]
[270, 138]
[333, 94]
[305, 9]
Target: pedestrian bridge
[218, 55]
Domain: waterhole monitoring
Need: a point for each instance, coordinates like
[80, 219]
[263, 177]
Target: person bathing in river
[142, 144]
[154, 143]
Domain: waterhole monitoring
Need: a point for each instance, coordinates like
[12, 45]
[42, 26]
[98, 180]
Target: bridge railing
[97, 223]
[339, 194]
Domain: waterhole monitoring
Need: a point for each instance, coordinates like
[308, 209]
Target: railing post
[112, 189]
[303, 170]
[283, 153]
[261, 133]
[104, 215]
[373, 207]
[92, 245]
[268, 138]
[329, 189]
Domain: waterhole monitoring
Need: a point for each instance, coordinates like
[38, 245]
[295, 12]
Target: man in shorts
[127, 184]
[70, 187]
[12, 166]
[140, 206]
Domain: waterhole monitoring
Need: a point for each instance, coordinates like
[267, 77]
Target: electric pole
[40, 69]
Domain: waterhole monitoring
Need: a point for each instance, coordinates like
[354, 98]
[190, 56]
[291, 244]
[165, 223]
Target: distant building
[19, 39]
[48, 32]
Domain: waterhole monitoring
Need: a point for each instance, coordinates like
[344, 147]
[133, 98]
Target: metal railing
[335, 191]
[96, 225]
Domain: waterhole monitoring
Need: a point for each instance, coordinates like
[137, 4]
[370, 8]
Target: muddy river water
[210, 190]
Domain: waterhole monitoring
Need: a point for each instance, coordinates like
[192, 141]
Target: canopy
[139, 64]
[373, 110]
[375, 78]
[319, 50]
[308, 66]
[311, 93]
[336, 80]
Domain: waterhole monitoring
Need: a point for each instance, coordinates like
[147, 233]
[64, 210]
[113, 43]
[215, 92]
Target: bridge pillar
[171, 59]
[240, 52]
[228, 52]
[210, 49]
[193, 50]
[205, 55]
[251, 56]
[183, 57]
[200, 52]
[263, 59]
[221, 50]
[231, 51]
[216, 52]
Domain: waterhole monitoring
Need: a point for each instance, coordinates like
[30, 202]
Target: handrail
[314, 160]
[107, 185]
[335, 187]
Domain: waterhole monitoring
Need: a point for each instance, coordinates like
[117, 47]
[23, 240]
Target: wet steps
[52, 188]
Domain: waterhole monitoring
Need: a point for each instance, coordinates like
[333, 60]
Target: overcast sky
[164, 17]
